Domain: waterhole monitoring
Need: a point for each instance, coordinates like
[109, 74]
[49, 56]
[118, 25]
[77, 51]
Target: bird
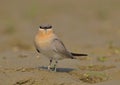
[48, 44]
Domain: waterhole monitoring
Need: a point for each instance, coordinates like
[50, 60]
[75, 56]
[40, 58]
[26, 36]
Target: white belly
[50, 54]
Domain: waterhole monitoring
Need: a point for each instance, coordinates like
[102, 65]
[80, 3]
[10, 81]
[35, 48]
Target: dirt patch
[90, 77]
[96, 67]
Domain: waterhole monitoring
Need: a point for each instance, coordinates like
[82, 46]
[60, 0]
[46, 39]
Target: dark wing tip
[38, 51]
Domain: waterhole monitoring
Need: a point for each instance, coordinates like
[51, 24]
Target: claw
[52, 67]
[49, 67]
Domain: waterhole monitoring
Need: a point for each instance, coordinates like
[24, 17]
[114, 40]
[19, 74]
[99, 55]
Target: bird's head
[46, 29]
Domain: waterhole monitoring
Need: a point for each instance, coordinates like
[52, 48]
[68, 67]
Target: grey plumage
[59, 48]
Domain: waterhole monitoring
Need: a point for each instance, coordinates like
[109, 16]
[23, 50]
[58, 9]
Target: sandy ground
[89, 26]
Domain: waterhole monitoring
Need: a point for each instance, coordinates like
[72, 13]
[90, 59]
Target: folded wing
[59, 48]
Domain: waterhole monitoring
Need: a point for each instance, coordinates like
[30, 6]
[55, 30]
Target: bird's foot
[49, 67]
[53, 68]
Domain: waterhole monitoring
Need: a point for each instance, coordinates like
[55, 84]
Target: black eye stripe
[45, 26]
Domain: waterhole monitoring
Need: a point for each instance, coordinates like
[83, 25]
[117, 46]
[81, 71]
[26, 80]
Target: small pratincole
[48, 44]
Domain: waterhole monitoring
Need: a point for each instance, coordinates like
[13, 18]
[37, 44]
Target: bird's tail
[77, 54]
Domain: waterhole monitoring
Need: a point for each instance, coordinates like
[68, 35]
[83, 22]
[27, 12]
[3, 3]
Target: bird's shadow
[57, 69]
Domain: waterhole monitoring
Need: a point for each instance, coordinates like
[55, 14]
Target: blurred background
[83, 25]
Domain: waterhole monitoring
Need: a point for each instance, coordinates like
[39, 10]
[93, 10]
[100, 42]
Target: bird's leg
[49, 66]
[55, 65]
